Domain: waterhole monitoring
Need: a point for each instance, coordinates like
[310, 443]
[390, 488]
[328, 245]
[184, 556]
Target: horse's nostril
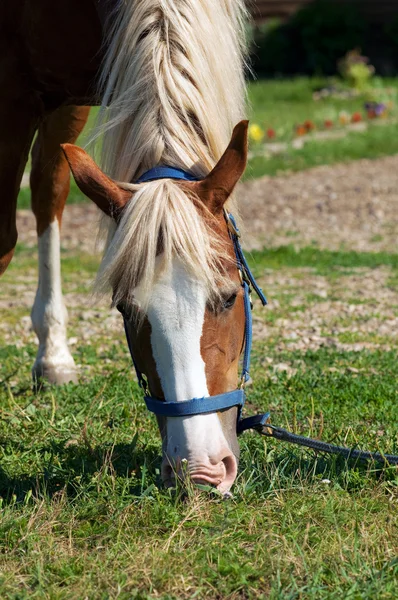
[230, 465]
[231, 469]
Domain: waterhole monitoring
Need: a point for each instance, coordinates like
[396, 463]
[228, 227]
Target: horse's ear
[215, 189]
[102, 190]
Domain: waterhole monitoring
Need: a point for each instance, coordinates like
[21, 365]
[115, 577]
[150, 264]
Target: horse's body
[172, 77]
[50, 54]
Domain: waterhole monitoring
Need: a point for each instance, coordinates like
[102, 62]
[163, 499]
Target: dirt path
[353, 205]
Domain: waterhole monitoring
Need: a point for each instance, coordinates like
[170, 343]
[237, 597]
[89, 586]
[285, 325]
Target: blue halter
[166, 173]
[197, 406]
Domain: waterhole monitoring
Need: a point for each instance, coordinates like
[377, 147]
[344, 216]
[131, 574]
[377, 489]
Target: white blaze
[49, 314]
[176, 313]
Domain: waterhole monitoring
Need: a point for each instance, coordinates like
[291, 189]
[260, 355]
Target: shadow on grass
[78, 467]
[75, 467]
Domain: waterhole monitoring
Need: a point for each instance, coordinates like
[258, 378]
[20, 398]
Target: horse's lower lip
[199, 478]
[170, 482]
[224, 488]
[205, 480]
[221, 486]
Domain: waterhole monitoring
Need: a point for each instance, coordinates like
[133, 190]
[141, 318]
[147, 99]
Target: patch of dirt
[354, 205]
[354, 312]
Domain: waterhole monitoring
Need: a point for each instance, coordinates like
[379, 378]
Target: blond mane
[173, 88]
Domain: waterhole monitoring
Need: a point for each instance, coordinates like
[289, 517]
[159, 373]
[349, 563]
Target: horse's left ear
[215, 189]
[97, 186]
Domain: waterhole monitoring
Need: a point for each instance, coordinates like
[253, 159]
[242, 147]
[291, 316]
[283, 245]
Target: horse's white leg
[50, 188]
[53, 362]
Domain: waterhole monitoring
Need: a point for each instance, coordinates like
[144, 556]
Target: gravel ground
[353, 205]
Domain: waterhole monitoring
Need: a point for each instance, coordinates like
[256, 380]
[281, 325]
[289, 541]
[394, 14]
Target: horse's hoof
[55, 375]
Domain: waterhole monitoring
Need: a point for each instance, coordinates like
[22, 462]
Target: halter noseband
[197, 406]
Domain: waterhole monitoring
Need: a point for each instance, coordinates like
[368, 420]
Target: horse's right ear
[215, 189]
[97, 186]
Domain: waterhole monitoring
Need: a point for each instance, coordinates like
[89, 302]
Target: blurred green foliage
[356, 70]
[316, 37]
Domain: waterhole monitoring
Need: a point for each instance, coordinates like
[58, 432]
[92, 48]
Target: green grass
[376, 142]
[323, 261]
[284, 104]
[83, 511]
[84, 514]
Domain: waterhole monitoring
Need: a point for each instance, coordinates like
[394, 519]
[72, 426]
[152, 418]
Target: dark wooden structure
[376, 11]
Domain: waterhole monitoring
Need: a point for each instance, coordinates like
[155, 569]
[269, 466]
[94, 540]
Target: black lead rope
[348, 453]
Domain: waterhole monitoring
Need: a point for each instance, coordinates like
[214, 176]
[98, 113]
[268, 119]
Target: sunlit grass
[323, 261]
[83, 510]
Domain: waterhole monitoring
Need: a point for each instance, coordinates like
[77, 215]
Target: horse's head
[185, 335]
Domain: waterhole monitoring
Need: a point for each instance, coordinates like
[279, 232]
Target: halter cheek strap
[210, 404]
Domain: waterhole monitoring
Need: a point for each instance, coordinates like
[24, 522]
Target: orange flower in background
[328, 124]
[309, 125]
[271, 133]
[356, 117]
[300, 130]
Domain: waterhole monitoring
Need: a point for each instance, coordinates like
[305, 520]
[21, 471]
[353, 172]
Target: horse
[170, 78]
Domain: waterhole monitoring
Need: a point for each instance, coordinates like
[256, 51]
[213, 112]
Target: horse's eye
[230, 301]
[121, 307]
[127, 310]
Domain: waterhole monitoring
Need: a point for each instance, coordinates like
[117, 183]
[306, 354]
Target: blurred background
[322, 70]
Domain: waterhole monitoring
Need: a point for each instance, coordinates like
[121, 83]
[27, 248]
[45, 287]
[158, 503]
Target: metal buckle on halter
[259, 423]
[230, 224]
[244, 278]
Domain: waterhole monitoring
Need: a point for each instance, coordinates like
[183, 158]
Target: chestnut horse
[170, 77]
